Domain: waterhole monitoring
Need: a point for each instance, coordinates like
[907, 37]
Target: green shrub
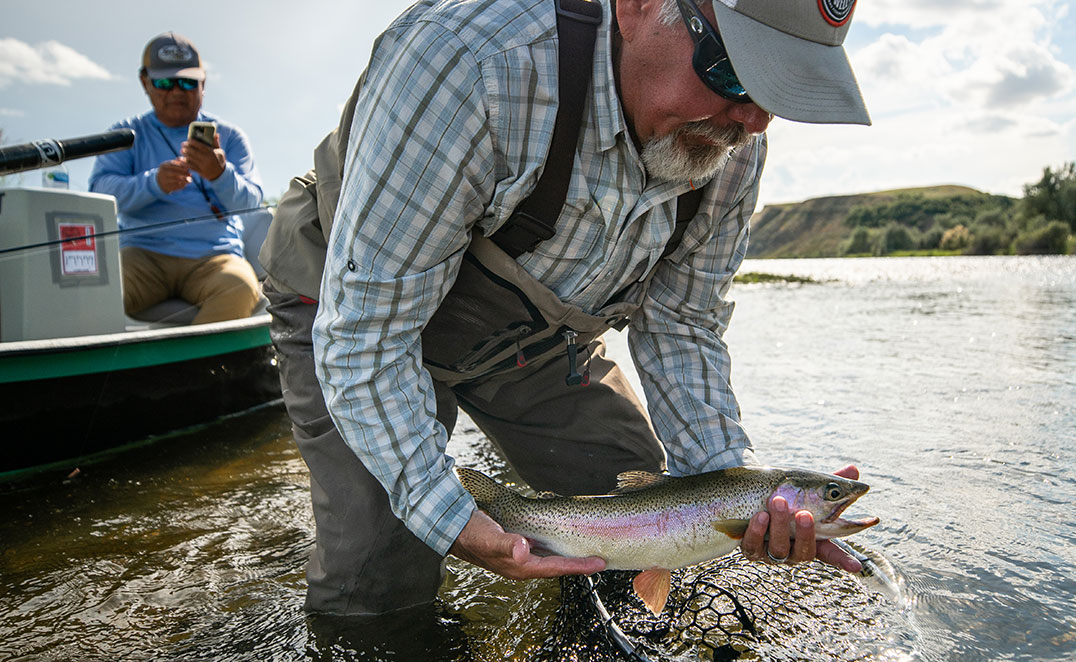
[893, 238]
[1049, 240]
[931, 239]
[1053, 196]
[988, 241]
[858, 244]
[991, 218]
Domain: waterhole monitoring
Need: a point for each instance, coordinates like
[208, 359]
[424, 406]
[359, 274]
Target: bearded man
[428, 300]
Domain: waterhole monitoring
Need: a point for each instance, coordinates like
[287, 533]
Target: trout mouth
[858, 524]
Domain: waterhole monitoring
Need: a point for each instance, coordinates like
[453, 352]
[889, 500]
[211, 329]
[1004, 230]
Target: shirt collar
[607, 110]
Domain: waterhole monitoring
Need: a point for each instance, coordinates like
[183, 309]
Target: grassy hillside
[816, 227]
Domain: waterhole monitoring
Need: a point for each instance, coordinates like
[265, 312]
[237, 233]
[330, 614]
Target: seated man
[166, 177]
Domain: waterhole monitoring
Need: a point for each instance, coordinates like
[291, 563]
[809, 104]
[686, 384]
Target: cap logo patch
[836, 12]
[174, 53]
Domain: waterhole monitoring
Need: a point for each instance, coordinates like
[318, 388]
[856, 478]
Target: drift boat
[77, 375]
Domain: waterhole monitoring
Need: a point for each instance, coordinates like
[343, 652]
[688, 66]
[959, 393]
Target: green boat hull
[68, 398]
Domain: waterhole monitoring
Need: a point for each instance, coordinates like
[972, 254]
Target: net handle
[616, 635]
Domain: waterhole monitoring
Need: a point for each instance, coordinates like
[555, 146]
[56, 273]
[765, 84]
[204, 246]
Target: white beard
[666, 158]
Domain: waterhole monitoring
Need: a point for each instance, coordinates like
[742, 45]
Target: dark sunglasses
[711, 60]
[168, 83]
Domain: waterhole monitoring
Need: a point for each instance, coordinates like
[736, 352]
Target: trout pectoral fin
[653, 587]
[733, 528]
[539, 548]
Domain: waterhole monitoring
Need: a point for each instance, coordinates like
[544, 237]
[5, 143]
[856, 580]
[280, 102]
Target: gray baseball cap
[788, 56]
[170, 55]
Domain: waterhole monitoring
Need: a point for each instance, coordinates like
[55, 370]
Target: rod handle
[50, 152]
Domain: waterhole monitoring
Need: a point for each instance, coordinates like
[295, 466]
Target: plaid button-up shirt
[450, 134]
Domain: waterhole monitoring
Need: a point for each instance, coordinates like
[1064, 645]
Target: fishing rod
[51, 152]
[132, 230]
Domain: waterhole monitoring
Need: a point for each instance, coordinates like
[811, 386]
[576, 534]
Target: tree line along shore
[936, 220]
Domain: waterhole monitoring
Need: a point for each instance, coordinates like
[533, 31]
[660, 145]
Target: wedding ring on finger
[776, 559]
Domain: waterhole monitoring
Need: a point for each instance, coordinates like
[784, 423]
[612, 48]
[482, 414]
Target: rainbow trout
[657, 523]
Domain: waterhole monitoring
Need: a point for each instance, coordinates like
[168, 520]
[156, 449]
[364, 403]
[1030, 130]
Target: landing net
[722, 610]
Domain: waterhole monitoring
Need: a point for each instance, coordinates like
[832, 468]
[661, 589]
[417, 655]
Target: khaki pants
[224, 287]
[566, 439]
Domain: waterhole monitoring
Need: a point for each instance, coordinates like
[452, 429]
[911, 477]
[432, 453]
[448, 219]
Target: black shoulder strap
[687, 205]
[535, 219]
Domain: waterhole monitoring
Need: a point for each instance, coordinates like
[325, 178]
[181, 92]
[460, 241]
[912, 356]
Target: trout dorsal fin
[633, 481]
[484, 489]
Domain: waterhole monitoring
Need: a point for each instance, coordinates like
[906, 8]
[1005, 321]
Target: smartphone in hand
[203, 132]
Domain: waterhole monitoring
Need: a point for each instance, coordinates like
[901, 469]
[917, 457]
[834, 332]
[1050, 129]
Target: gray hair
[669, 13]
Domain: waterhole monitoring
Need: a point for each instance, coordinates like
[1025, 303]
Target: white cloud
[968, 92]
[981, 54]
[1019, 76]
[50, 63]
[995, 152]
[898, 75]
[984, 53]
[924, 14]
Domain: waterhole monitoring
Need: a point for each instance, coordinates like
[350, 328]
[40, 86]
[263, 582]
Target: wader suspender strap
[687, 205]
[535, 219]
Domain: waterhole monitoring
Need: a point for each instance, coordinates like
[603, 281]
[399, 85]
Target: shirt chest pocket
[580, 233]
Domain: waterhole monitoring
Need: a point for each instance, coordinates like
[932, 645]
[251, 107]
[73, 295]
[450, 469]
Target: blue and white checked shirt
[449, 136]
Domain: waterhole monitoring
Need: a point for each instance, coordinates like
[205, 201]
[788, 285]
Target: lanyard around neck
[213, 207]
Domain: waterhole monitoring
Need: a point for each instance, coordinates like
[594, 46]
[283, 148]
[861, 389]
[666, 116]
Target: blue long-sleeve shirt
[131, 176]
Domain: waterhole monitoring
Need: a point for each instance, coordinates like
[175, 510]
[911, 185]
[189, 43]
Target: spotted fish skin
[657, 521]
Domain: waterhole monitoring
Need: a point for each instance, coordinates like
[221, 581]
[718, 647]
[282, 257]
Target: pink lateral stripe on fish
[657, 523]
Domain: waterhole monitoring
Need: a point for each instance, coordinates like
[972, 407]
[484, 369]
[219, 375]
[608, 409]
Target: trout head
[826, 496]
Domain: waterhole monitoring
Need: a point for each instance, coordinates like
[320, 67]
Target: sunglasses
[711, 60]
[168, 83]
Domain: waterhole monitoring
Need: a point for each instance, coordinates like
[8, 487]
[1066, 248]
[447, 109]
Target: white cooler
[64, 289]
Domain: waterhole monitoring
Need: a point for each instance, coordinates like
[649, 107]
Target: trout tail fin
[484, 489]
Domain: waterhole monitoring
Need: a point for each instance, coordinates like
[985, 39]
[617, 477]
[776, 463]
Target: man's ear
[629, 16]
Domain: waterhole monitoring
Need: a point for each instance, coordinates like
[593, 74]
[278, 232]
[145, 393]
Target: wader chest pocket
[482, 317]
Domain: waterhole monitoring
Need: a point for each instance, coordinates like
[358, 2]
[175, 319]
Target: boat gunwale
[79, 343]
[52, 358]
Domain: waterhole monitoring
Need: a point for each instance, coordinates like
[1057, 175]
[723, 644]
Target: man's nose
[753, 118]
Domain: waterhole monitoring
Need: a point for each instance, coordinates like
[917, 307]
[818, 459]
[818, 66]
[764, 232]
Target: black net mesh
[727, 609]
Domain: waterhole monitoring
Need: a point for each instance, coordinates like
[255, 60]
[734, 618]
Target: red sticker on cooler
[78, 250]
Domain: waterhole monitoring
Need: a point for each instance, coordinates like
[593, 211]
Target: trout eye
[833, 492]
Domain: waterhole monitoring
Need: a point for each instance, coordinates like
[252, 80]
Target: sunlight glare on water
[951, 383]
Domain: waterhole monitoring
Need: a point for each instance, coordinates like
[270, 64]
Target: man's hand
[779, 523]
[207, 161]
[173, 175]
[484, 543]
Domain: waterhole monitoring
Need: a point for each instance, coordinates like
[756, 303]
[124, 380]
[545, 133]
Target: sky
[980, 93]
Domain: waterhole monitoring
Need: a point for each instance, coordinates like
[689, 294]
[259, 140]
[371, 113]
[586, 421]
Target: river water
[950, 382]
